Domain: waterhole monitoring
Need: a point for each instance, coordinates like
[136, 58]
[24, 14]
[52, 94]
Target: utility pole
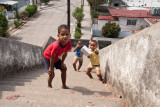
[68, 11]
[82, 3]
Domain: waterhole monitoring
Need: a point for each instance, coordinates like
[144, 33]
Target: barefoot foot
[49, 86]
[65, 87]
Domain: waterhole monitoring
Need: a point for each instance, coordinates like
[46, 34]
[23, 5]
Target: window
[131, 22]
[158, 0]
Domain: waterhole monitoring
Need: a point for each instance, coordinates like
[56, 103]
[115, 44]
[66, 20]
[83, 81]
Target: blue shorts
[57, 65]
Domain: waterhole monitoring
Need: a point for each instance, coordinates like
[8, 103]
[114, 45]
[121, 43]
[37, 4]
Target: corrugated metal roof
[8, 2]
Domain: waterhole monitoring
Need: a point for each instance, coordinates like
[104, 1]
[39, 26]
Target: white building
[142, 3]
[128, 20]
[19, 4]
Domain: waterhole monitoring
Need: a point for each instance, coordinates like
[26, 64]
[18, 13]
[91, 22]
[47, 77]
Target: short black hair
[63, 26]
[94, 41]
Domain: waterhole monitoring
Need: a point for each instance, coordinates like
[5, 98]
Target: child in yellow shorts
[94, 61]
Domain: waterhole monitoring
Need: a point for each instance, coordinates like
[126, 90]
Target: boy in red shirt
[55, 54]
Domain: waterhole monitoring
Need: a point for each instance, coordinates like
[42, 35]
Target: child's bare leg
[63, 77]
[80, 64]
[74, 64]
[98, 72]
[88, 72]
[50, 78]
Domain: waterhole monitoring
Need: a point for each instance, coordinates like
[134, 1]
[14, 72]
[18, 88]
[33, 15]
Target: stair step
[33, 91]
[61, 103]
[64, 97]
[12, 83]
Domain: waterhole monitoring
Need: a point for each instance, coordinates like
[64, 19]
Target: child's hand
[96, 51]
[50, 71]
[78, 45]
[63, 66]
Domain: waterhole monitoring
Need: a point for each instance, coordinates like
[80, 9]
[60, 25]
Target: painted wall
[132, 66]
[125, 29]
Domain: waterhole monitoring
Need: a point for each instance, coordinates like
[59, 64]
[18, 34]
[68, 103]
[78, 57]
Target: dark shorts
[57, 65]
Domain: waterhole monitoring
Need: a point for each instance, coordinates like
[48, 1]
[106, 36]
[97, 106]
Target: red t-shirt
[56, 49]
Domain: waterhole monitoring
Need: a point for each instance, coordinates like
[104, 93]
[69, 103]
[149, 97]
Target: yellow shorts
[95, 67]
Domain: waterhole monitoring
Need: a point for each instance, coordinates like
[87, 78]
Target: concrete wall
[101, 43]
[17, 57]
[48, 42]
[132, 66]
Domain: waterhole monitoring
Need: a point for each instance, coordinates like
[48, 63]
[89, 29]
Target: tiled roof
[152, 20]
[132, 13]
[107, 18]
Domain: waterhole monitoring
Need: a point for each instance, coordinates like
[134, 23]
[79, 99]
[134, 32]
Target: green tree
[77, 35]
[78, 14]
[79, 17]
[96, 3]
[17, 14]
[3, 25]
[31, 10]
[111, 30]
[78, 29]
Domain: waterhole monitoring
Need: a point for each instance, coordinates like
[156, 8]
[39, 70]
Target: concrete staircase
[29, 89]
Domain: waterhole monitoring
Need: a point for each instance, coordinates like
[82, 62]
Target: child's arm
[75, 48]
[51, 68]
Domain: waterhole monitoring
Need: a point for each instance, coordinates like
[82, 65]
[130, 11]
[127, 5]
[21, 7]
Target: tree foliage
[17, 14]
[45, 1]
[3, 25]
[31, 9]
[78, 14]
[96, 3]
[111, 30]
[2, 8]
[77, 35]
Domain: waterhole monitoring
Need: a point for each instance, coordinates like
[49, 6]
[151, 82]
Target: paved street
[45, 23]
[86, 22]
